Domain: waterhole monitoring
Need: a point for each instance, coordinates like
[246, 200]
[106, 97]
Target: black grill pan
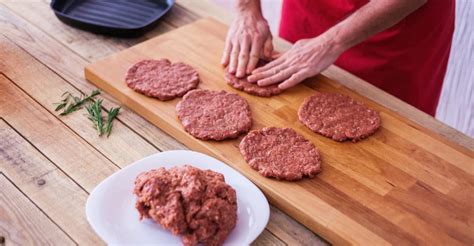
[125, 18]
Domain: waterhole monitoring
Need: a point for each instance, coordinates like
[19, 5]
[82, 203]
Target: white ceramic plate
[110, 208]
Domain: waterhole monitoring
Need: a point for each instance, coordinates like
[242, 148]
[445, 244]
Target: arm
[311, 56]
[248, 39]
[374, 17]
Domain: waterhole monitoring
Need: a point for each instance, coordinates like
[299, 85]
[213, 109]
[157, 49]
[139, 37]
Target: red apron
[408, 60]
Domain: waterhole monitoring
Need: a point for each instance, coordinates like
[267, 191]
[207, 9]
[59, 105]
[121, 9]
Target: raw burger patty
[280, 153]
[252, 88]
[161, 78]
[196, 204]
[215, 115]
[338, 117]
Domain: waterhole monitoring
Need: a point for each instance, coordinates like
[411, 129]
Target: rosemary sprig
[72, 103]
[113, 112]
[95, 115]
[66, 98]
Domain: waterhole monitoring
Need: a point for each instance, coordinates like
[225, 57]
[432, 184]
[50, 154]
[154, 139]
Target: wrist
[335, 40]
[249, 8]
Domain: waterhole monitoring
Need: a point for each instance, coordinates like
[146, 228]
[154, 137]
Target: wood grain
[67, 61]
[66, 57]
[399, 157]
[45, 184]
[48, 88]
[68, 64]
[21, 222]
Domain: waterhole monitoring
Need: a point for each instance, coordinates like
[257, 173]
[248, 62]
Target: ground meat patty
[280, 153]
[338, 117]
[161, 78]
[196, 204]
[252, 88]
[215, 115]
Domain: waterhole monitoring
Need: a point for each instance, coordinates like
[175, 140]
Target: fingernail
[250, 78]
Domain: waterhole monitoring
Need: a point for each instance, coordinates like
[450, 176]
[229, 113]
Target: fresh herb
[66, 98]
[71, 103]
[95, 115]
[110, 117]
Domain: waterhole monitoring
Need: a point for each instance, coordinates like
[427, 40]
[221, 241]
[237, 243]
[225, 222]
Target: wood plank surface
[403, 161]
[21, 222]
[65, 51]
[68, 62]
[56, 184]
[46, 90]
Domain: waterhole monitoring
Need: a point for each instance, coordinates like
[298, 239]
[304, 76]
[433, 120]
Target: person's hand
[305, 59]
[248, 39]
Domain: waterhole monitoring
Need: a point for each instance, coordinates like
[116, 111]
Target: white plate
[110, 208]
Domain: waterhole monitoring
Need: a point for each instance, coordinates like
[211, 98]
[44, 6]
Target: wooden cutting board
[402, 185]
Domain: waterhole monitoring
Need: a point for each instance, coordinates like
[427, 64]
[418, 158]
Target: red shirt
[408, 60]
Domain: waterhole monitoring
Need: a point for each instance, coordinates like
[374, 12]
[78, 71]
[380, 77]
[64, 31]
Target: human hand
[248, 39]
[305, 59]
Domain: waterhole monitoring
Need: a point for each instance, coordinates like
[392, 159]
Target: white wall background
[456, 106]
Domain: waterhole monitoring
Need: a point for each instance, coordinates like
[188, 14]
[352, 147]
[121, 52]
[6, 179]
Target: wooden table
[49, 164]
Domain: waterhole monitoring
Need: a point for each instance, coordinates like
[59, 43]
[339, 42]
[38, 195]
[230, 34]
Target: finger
[254, 55]
[268, 48]
[279, 77]
[293, 80]
[226, 53]
[255, 77]
[276, 55]
[243, 57]
[234, 56]
[268, 66]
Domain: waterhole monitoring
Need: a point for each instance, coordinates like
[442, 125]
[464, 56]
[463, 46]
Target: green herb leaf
[60, 106]
[95, 115]
[71, 103]
[75, 104]
[113, 112]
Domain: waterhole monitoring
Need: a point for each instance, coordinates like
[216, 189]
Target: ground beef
[252, 88]
[215, 115]
[196, 204]
[338, 117]
[161, 78]
[280, 153]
